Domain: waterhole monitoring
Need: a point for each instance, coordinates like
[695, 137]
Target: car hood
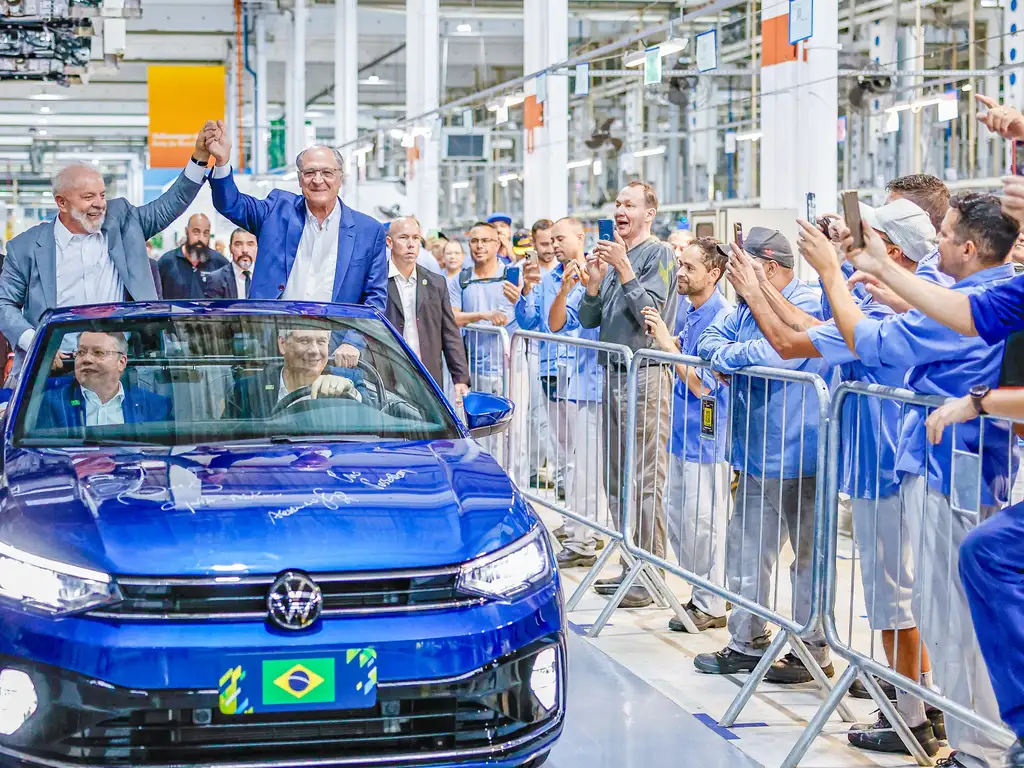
[241, 510]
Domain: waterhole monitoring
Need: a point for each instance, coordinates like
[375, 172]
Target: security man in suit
[94, 252]
[234, 280]
[419, 307]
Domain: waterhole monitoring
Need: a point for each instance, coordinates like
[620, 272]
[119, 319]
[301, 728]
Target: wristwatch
[200, 164]
[978, 393]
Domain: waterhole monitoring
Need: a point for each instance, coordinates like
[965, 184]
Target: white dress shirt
[407, 292]
[316, 262]
[240, 279]
[99, 414]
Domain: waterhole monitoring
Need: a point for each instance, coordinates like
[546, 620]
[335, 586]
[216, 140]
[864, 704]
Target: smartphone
[605, 229]
[512, 274]
[812, 209]
[1018, 158]
[851, 213]
[737, 234]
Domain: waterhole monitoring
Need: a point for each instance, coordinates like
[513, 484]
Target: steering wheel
[302, 394]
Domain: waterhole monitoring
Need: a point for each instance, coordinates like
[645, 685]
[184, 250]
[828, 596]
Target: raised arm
[819, 253]
[158, 215]
[242, 210]
[564, 313]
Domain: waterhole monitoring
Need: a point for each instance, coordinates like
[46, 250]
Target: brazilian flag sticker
[306, 681]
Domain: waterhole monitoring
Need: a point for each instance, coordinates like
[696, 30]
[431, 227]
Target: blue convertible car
[221, 547]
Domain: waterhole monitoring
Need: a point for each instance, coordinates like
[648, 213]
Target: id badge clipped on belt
[707, 416]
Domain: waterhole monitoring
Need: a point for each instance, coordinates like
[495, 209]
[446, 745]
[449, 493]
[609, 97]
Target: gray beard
[88, 224]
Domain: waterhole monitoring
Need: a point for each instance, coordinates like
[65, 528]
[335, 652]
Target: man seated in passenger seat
[305, 354]
[96, 396]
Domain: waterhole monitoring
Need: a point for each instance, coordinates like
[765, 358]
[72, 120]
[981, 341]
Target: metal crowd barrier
[926, 526]
[487, 354]
[765, 504]
[577, 465]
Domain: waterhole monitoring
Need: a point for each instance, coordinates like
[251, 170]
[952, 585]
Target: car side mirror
[487, 414]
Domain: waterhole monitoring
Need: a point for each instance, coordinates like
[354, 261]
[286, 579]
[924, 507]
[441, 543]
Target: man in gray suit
[94, 252]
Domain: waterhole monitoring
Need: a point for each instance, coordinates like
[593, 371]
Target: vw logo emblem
[294, 601]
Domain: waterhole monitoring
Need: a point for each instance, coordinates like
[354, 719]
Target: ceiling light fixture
[464, 28]
[751, 136]
[48, 97]
[649, 151]
[460, 185]
[505, 178]
[579, 163]
[667, 48]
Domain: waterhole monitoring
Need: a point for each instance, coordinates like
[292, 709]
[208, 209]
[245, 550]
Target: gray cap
[764, 243]
[905, 224]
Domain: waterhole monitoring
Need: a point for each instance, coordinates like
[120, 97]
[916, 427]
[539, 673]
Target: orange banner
[181, 99]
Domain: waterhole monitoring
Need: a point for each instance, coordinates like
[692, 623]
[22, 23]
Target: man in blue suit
[95, 397]
[312, 246]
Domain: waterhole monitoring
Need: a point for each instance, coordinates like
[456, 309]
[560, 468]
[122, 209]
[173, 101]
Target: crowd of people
[923, 298]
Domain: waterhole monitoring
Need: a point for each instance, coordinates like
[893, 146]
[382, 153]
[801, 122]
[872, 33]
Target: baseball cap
[765, 243]
[522, 242]
[496, 217]
[905, 224]
[436, 234]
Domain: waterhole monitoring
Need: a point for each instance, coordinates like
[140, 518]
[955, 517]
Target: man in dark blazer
[419, 308]
[235, 280]
[315, 248]
[94, 252]
[96, 396]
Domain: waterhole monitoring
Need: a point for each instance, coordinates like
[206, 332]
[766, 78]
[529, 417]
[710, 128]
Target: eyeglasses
[327, 174]
[99, 354]
[483, 241]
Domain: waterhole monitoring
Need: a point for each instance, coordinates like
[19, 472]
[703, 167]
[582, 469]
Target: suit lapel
[346, 242]
[75, 405]
[421, 290]
[293, 237]
[396, 301]
[116, 252]
[46, 264]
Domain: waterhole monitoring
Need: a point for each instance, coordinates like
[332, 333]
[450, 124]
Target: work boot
[636, 597]
[880, 736]
[560, 533]
[860, 691]
[789, 670]
[700, 620]
[938, 720]
[949, 762]
[608, 586]
[569, 559]
[725, 662]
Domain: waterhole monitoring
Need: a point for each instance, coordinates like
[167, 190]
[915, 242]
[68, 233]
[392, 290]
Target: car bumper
[453, 690]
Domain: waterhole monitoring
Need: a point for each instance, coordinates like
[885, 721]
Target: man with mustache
[94, 252]
[186, 271]
[234, 280]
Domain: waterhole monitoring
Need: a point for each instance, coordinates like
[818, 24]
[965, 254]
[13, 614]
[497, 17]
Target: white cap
[905, 224]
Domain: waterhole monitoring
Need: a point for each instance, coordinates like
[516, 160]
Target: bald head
[569, 237]
[197, 233]
[680, 240]
[404, 241]
[81, 198]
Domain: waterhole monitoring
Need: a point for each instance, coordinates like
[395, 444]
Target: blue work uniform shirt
[778, 422]
[999, 311]
[586, 376]
[485, 353]
[942, 362]
[687, 441]
[532, 312]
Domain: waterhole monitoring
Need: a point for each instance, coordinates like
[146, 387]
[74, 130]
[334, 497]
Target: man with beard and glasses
[186, 271]
[234, 280]
[94, 252]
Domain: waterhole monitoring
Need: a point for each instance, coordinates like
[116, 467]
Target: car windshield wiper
[120, 441]
[353, 438]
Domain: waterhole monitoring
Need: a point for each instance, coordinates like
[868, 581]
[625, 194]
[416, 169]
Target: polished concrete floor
[616, 720]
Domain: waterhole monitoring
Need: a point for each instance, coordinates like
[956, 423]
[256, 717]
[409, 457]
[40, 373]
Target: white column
[422, 95]
[545, 178]
[346, 91]
[231, 110]
[261, 121]
[799, 111]
[297, 128]
[286, 31]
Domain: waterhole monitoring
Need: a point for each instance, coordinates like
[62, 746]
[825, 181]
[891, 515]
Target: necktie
[248, 282]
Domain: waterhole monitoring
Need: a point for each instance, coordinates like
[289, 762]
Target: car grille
[484, 713]
[245, 598]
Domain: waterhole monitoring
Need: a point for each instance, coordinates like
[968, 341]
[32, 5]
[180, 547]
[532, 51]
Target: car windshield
[181, 380]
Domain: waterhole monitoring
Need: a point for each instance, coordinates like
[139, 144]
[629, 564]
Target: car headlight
[509, 571]
[50, 587]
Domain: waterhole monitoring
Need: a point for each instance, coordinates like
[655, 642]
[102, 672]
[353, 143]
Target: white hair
[339, 159]
[66, 177]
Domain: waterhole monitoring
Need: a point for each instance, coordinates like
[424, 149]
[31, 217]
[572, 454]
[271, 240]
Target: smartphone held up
[851, 213]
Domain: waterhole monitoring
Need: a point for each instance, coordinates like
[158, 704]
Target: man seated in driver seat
[96, 396]
[305, 354]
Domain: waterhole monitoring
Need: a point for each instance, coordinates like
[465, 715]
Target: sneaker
[700, 619]
[949, 762]
[880, 736]
[938, 721]
[725, 662]
[859, 691]
[569, 559]
[636, 597]
[789, 670]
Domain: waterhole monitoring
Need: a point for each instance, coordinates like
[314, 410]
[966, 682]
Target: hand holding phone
[851, 213]
[513, 274]
[605, 229]
[737, 234]
[812, 208]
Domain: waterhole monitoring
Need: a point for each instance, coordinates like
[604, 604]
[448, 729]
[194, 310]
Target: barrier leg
[651, 580]
[770, 655]
[617, 598]
[817, 722]
[592, 574]
[661, 589]
[895, 720]
[800, 649]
